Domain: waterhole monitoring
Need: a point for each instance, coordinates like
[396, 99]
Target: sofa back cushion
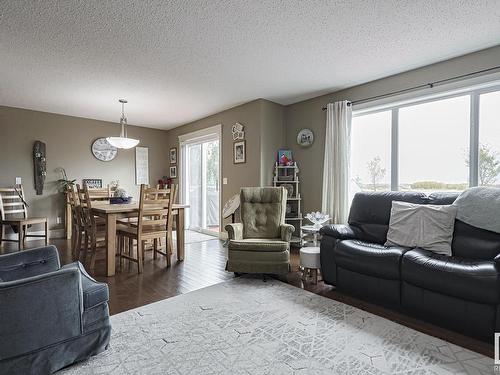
[262, 211]
[371, 211]
[474, 243]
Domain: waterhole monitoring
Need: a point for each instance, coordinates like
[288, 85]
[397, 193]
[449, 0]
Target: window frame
[474, 97]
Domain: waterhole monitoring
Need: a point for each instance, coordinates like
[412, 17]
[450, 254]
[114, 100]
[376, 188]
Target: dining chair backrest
[74, 203]
[100, 194]
[85, 204]
[12, 203]
[155, 208]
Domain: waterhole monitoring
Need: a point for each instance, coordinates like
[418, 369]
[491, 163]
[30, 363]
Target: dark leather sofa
[461, 292]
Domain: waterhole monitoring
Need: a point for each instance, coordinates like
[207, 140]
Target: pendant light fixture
[123, 141]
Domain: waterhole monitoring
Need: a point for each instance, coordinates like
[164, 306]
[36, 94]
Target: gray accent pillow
[426, 226]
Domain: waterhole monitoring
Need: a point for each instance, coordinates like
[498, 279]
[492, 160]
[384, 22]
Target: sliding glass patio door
[200, 182]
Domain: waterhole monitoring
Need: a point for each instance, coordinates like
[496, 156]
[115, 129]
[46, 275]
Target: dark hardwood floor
[204, 266]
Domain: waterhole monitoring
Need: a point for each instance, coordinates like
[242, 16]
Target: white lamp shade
[122, 142]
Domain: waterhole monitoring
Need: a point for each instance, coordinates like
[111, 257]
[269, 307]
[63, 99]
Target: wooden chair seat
[28, 221]
[12, 206]
[151, 231]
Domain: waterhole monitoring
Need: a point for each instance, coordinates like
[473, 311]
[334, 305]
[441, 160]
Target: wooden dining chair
[77, 225]
[100, 194]
[154, 222]
[95, 235]
[14, 213]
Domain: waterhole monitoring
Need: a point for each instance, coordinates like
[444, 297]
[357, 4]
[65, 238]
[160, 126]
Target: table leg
[179, 227]
[110, 244]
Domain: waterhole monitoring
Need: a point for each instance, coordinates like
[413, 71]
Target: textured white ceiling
[177, 61]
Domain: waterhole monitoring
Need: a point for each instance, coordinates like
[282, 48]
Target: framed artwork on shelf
[173, 171]
[92, 183]
[239, 152]
[173, 155]
[285, 157]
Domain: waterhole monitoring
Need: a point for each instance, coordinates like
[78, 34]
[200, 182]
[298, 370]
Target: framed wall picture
[239, 152]
[141, 165]
[173, 155]
[173, 171]
[92, 183]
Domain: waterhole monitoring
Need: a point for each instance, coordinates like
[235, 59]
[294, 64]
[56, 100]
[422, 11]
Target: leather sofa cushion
[469, 279]
[258, 244]
[474, 243]
[371, 211]
[369, 258]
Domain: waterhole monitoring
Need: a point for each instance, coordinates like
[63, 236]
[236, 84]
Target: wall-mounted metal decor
[40, 165]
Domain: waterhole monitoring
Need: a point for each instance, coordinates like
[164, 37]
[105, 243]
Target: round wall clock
[305, 138]
[102, 150]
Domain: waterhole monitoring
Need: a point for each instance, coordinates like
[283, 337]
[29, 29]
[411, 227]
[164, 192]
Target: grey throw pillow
[429, 227]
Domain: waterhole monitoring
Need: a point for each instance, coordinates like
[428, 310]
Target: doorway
[200, 180]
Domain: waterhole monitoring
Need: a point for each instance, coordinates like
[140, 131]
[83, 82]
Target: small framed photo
[173, 171]
[92, 183]
[239, 152]
[173, 155]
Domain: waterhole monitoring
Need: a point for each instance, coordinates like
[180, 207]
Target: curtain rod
[423, 86]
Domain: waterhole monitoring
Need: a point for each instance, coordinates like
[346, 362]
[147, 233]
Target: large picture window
[445, 144]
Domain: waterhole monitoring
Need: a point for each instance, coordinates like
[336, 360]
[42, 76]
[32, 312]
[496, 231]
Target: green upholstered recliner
[261, 242]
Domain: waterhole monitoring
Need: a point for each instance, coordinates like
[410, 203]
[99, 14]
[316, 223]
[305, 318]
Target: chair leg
[93, 246]
[85, 246]
[155, 248]
[21, 237]
[130, 252]
[120, 252]
[46, 233]
[140, 256]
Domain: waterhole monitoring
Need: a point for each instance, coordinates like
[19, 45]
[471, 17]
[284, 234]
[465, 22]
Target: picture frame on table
[173, 155]
[173, 171]
[239, 152]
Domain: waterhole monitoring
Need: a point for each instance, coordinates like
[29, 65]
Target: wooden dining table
[112, 212]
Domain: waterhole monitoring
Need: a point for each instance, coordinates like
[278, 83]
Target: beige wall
[272, 138]
[264, 134]
[308, 114]
[238, 175]
[68, 141]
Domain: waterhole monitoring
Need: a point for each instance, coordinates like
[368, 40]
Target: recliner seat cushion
[258, 244]
[370, 258]
[469, 279]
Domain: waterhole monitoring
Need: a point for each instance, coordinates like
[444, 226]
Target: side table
[310, 255]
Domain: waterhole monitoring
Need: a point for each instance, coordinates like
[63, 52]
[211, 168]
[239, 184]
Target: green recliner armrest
[234, 231]
[286, 232]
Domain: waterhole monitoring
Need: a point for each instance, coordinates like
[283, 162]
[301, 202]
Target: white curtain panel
[335, 200]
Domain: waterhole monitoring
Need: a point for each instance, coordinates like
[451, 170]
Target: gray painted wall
[68, 142]
[308, 114]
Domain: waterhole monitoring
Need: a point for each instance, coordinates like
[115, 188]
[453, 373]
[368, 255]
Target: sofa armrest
[234, 231]
[497, 262]
[286, 232]
[29, 263]
[39, 311]
[338, 231]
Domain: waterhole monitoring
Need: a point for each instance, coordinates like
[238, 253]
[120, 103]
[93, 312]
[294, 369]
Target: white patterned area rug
[247, 326]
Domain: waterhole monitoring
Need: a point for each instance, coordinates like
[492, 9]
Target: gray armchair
[51, 316]
[261, 242]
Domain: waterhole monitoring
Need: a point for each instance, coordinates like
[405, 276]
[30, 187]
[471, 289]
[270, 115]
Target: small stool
[310, 262]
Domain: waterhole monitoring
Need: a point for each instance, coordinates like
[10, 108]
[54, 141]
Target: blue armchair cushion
[28, 263]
